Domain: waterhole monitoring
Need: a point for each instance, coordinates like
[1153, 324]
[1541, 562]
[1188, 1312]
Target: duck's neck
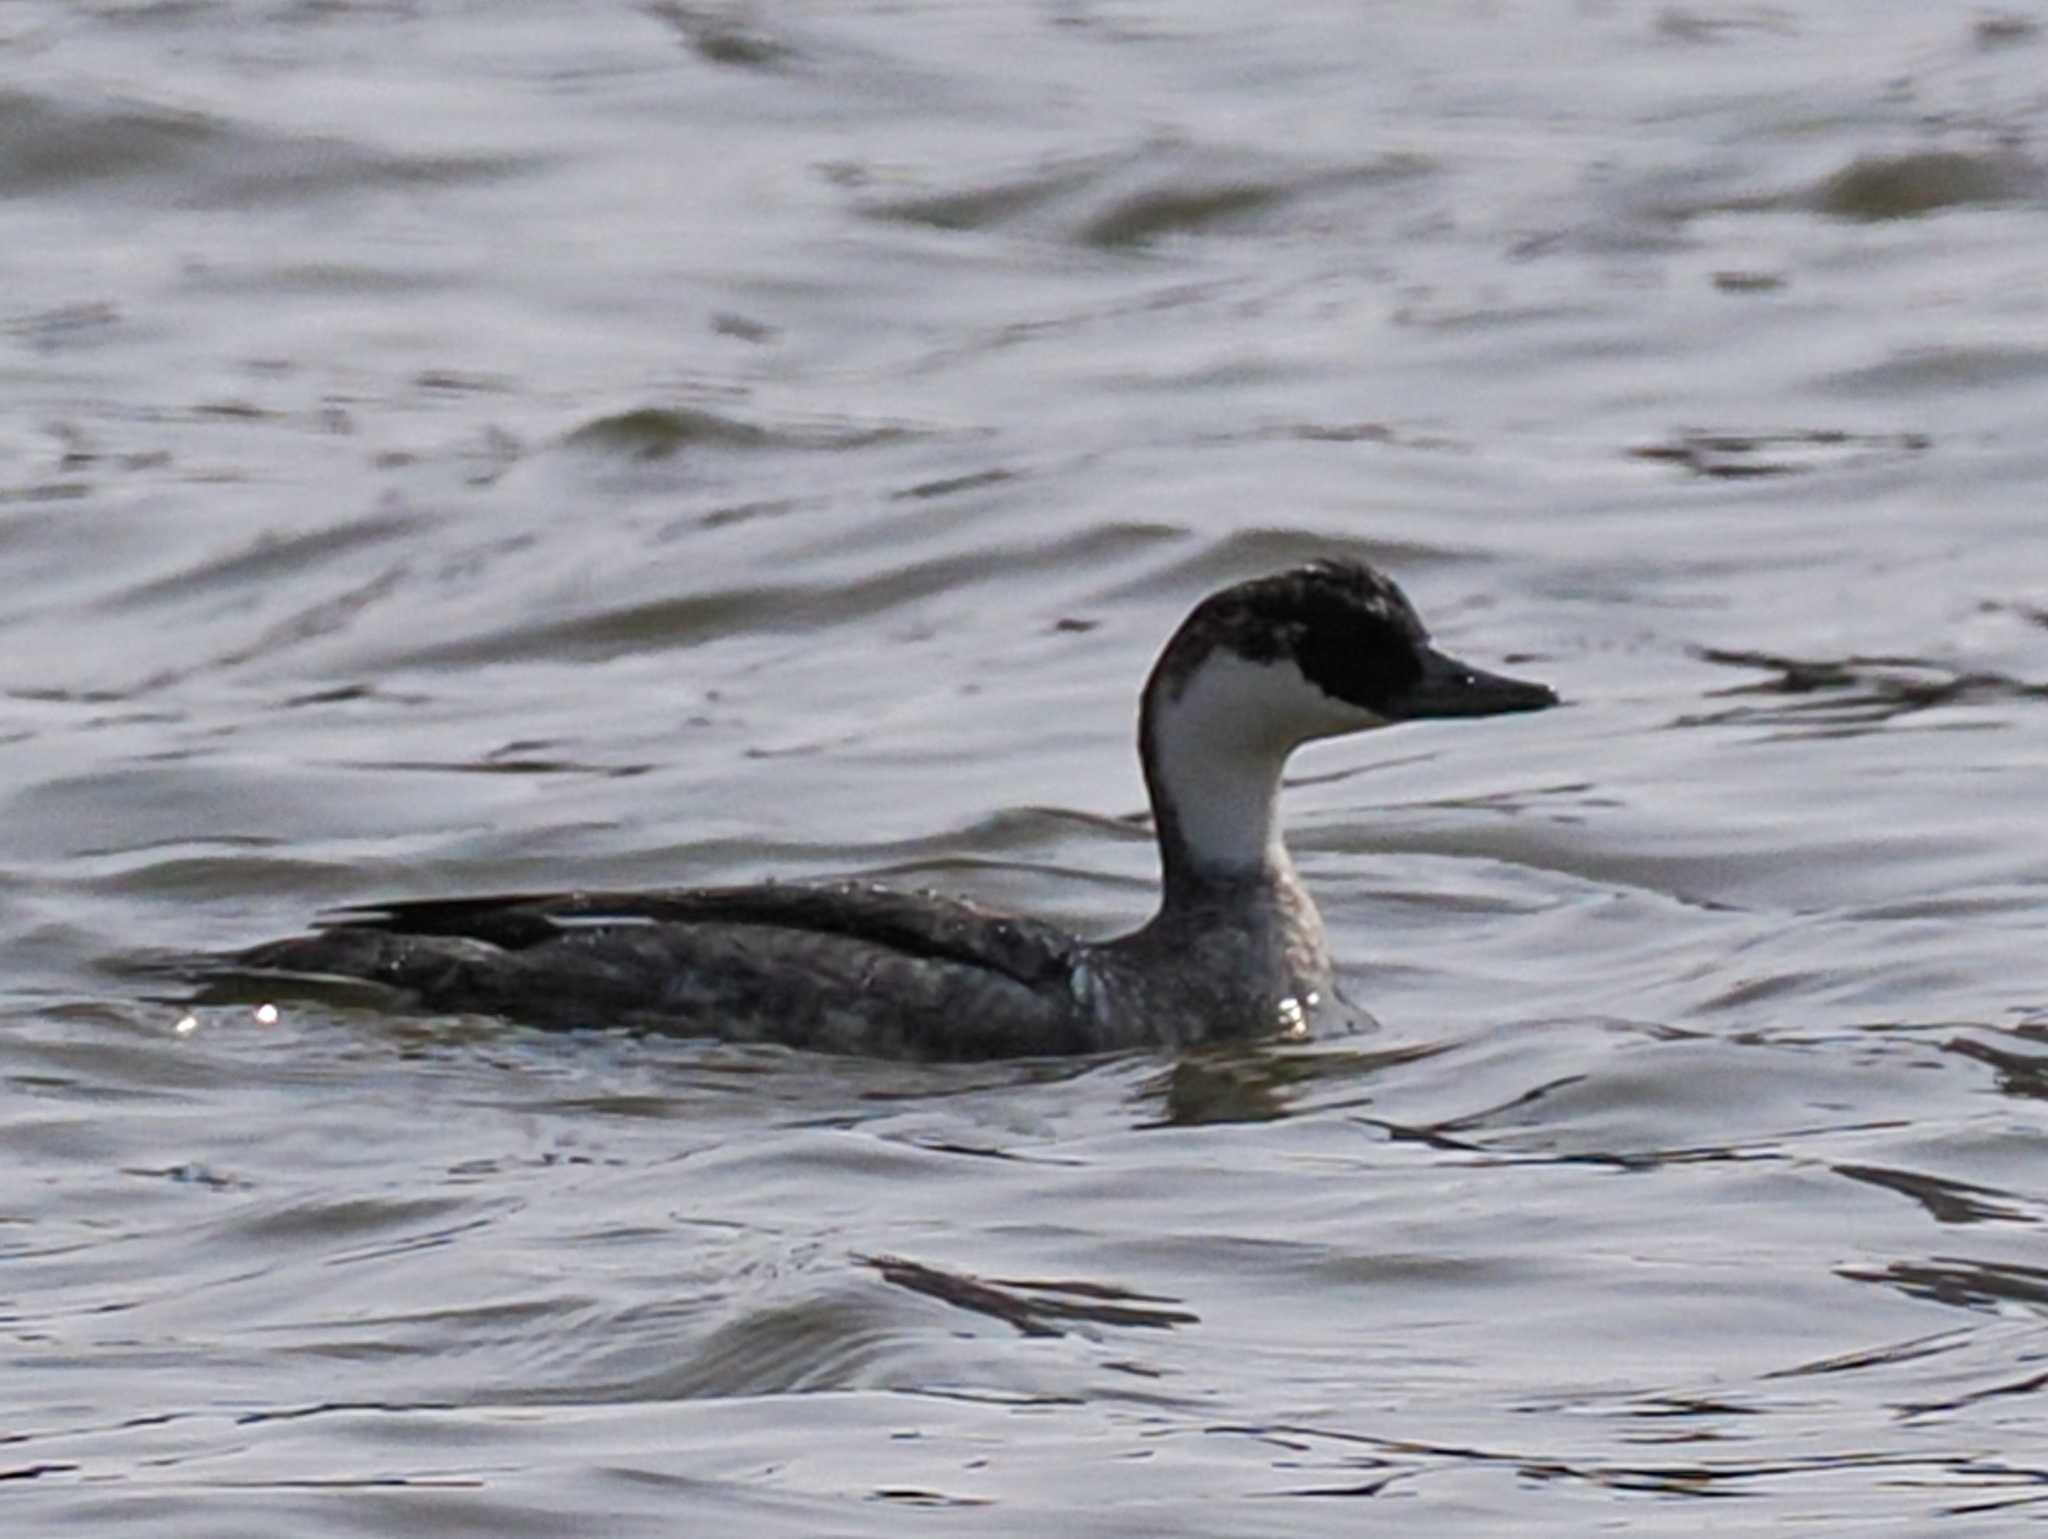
[1215, 793]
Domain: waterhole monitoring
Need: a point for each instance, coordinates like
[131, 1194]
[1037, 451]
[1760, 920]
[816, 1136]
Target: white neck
[1215, 752]
[1222, 800]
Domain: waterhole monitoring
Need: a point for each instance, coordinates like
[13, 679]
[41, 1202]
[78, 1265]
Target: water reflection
[1261, 1084]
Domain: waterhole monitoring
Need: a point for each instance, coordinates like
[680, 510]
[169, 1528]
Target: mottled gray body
[846, 968]
[839, 969]
[1236, 949]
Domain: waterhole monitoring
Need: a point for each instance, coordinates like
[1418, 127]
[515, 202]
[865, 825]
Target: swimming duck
[1235, 950]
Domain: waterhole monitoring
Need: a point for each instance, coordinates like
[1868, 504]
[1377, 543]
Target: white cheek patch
[1228, 700]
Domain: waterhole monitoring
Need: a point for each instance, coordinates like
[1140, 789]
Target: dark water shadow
[1960, 1282]
[1033, 1307]
[1849, 693]
[1725, 456]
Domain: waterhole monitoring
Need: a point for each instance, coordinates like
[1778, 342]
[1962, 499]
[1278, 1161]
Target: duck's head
[1262, 667]
[1316, 651]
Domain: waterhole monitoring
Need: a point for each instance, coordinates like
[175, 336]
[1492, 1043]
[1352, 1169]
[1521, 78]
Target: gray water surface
[506, 446]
